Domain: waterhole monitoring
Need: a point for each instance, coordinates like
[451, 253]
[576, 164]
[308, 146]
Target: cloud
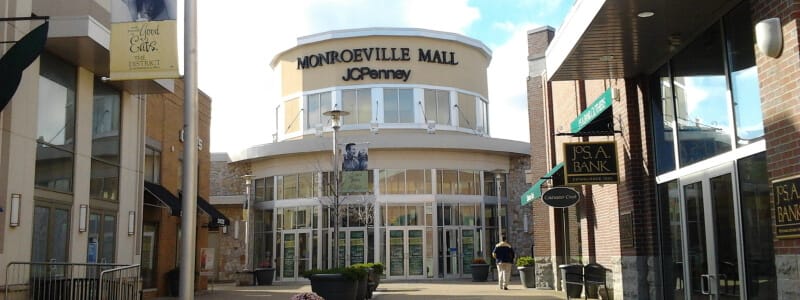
[508, 101]
[238, 39]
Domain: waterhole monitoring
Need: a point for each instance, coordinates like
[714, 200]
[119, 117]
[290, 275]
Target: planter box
[480, 272]
[264, 276]
[528, 276]
[334, 286]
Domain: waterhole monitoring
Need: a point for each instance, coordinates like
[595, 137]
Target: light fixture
[236, 230]
[373, 127]
[14, 219]
[83, 211]
[645, 14]
[131, 222]
[769, 37]
[224, 229]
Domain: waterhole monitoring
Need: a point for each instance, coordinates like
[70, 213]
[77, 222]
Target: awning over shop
[161, 194]
[535, 192]
[597, 119]
[217, 218]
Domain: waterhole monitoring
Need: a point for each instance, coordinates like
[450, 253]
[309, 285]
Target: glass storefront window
[759, 254]
[744, 75]
[468, 182]
[305, 185]
[258, 189]
[269, 189]
[418, 182]
[663, 112]
[55, 129]
[104, 183]
[448, 182]
[392, 181]
[290, 186]
[700, 87]
[672, 241]
[395, 215]
[468, 214]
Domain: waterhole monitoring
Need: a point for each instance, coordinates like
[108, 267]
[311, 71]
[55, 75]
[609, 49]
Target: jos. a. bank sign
[376, 54]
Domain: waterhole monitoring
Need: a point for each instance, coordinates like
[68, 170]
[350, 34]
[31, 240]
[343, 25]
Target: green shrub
[525, 261]
[376, 267]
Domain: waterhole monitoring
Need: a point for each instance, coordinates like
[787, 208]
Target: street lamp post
[498, 175]
[336, 122]
[247, 230]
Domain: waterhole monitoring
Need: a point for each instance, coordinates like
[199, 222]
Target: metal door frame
[309, 246]
[406, 256]
[709, 217]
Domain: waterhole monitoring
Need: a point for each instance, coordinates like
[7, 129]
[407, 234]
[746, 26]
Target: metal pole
[189, 201]
[335, 197]
[248, 255]
[499, 224]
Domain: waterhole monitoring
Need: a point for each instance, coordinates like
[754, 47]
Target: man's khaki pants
[503, 274]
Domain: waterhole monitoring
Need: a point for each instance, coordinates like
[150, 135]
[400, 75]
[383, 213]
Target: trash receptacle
[572, 278]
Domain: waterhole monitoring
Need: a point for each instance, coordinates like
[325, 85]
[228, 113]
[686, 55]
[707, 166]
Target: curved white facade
[426, 204]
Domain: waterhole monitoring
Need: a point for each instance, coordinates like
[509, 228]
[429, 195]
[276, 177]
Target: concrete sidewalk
[390, 290]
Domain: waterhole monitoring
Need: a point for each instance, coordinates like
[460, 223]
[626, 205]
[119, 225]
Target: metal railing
[64, 281]
[120, 283]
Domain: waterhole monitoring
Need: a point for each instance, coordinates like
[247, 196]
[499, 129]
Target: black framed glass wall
[706, 98]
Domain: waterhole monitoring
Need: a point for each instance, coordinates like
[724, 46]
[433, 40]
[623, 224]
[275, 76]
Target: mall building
[700, 100]
[432, 190]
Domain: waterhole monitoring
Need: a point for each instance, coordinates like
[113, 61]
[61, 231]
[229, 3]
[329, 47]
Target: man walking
[504, 254]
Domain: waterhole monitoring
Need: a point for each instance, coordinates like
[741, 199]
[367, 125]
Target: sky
[237, 39]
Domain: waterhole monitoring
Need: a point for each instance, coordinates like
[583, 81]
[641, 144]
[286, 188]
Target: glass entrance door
[450, 248]
[352, 246]
[296, 253]
[458, 248]
[405, 251]
[711, 246]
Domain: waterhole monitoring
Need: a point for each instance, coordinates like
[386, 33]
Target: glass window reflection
[744, 75]
[700, 87]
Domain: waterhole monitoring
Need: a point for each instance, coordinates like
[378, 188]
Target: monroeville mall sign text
[375, 54]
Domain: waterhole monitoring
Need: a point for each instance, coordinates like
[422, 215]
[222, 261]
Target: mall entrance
[405, 252]
[457, 248]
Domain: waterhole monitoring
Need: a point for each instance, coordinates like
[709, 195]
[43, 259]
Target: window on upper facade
[316, 105]
[398, 105]
[466, 111]
[152, 165]
[437, 106]
[55, 129]
[106, 113]
[706, 83]
[358, 102]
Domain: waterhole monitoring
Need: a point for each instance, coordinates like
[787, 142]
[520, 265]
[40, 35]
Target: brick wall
[164, 122]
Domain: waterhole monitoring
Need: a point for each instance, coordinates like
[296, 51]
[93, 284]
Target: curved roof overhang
[605, 39]
[394, 141]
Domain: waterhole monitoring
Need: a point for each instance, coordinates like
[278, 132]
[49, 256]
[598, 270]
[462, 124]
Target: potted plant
[480, 269]
[374, 273]
[264, 273]
[527, 271]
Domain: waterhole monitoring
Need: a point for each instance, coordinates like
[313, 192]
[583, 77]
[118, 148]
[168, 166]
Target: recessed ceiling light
[646, 14]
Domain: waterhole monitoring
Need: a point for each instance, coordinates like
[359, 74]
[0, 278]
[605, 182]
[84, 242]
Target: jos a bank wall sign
[375, 54]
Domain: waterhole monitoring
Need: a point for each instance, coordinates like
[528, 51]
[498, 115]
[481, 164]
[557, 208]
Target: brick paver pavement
[390, 290]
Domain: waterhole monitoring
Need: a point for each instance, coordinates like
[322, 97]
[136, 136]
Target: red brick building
[706, 128]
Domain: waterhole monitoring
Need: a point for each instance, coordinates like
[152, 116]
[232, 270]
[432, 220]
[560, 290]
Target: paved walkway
[390, 290]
